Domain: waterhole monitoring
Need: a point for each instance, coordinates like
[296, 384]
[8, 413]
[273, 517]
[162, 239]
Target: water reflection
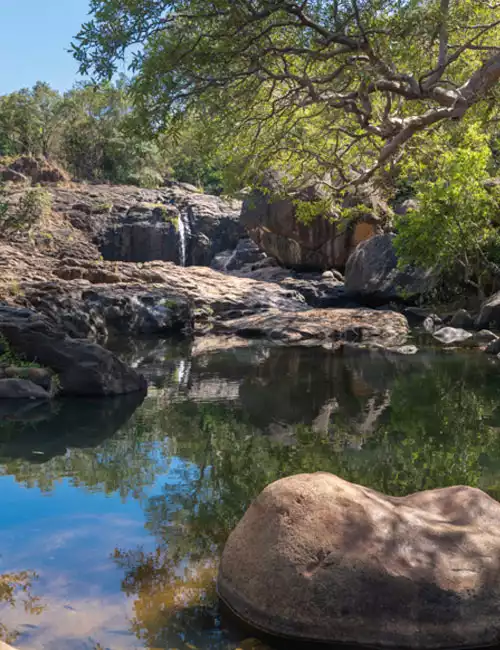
[16, 590]
[180, 469]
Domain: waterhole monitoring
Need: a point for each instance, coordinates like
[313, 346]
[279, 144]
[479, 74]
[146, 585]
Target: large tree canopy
[338, 87]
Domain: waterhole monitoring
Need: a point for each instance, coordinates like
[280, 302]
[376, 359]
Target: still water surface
[114, 512]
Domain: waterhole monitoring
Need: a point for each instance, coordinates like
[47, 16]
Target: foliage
[33, 206]
[329, 89]
[454, 227]
[16, 588]
[92, 131]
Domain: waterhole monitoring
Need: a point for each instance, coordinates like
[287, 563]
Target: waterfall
[184, 234]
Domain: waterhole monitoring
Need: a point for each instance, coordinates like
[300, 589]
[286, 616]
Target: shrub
[33, 206]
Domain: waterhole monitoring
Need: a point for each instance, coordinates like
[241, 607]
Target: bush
[33, 206]
[453, 228]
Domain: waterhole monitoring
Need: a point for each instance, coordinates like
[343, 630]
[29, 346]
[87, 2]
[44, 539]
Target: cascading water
[184, 233]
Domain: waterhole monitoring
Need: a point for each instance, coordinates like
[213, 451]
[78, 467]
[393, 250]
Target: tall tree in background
[30, 120]
[332, 87]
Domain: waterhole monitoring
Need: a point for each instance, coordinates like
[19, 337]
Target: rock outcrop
[372, 274]
[82, 368]
[322, 326]
[270, 217]
[99, 311]
[317, 558]
[34, 170]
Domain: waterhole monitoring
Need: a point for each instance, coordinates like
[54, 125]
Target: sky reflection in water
[121, 508]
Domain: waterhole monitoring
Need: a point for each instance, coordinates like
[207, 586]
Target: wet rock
[322, 326]
[350, 565]
[462, 319]
[270, 217]
[372, 274]
[147, 232]
[246, 252]
[430, 324]
[452, 335]
[82, 368]
[21, 389]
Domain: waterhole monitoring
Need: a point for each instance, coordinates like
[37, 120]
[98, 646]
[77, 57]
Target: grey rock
[493, 347]
[489, 314]
[483, 337]
[417, 316]
[452, 335]
[246, 252]
[462, 319]
[372, 274]
[322, 293]
[430, 324]
[21, 389]
[180, 223]
[83, 368]
[100, 311]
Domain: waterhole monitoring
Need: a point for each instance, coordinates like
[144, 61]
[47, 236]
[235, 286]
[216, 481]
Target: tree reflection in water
[398, 425]
[440, 428]
[16, 590]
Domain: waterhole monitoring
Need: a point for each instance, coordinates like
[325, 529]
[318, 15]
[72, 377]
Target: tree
[30, 121]
[331, 87]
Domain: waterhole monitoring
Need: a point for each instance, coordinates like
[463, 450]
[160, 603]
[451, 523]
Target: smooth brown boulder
[317, 558]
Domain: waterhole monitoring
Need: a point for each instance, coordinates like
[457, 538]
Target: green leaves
[453, 225]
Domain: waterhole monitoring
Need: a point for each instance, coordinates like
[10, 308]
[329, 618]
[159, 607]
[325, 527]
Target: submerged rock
[317, 558]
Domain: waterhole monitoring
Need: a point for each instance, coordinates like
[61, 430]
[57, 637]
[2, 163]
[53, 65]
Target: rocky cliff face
[130, 224]
[270, 217]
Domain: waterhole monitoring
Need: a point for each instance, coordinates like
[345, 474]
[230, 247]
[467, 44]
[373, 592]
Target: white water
[184, 232]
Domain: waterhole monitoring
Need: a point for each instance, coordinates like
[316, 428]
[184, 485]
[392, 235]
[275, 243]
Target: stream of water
[115, 511]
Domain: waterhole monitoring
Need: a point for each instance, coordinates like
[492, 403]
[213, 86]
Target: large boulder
[372, 273]
[82, 368]
[489, 314]
[270, 217]
[318, 558]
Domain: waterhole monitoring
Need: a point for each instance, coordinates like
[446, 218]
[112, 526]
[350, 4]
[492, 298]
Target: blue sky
[34, 37]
